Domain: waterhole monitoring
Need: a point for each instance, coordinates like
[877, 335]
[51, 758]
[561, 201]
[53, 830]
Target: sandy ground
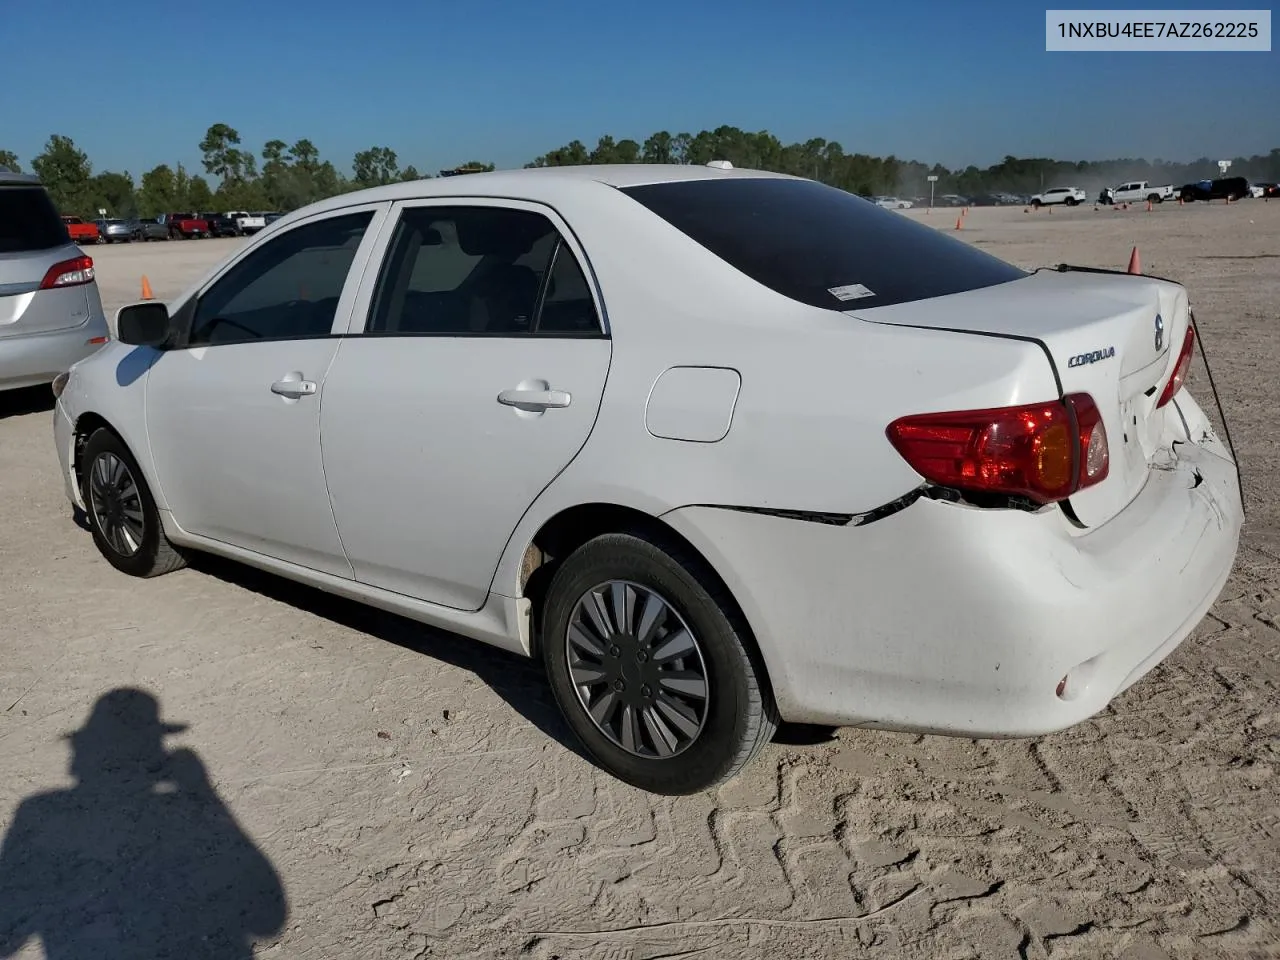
[416, 795]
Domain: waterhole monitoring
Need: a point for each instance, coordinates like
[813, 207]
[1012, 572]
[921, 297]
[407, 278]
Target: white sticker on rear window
[852, 291]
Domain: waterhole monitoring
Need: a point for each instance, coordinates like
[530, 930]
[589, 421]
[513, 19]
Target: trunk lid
[1115, 337]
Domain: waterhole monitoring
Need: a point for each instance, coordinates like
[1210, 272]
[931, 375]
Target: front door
[233, 414]
[475, 381]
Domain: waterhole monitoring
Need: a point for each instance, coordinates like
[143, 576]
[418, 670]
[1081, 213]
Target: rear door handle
[293, 389]
[535, 399]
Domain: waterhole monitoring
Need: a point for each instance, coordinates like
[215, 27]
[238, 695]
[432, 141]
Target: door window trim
[184, 314]
[361, 308]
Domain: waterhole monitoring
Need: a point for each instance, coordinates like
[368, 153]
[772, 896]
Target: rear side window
[28, 221]
[819, 245]
[480, 271]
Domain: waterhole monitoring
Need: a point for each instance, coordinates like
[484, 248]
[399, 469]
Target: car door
[233, 410]
[472, 377]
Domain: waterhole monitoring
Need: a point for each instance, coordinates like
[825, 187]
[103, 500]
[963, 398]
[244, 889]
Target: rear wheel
[121, 511]
[652, 666]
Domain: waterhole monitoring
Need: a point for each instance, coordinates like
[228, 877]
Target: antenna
[720, 164]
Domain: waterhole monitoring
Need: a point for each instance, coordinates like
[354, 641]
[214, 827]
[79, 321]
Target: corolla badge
[1093, 356]
[1159, 332]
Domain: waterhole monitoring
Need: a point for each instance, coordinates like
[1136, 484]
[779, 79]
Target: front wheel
[122, 513]
[1072, 201]
[652, 666]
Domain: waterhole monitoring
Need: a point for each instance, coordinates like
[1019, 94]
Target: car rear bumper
[34, 359]
[944, 618]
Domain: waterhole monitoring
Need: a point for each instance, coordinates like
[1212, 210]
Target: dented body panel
[1015, 600]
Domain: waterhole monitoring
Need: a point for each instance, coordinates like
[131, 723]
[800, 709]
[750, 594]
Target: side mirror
[143, 324]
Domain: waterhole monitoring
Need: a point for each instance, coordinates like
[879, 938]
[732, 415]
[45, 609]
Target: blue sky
[137, 82]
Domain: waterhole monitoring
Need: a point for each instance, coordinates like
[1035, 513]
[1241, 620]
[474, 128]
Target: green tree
[9, 161]
[411, 173]
[114, 192]
[199, 196]
[222, 155]
[658, 148]
[157, 193]
[375, 167]
[65, 172]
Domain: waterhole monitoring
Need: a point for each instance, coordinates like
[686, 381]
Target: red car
[183, 226]
[80, 231]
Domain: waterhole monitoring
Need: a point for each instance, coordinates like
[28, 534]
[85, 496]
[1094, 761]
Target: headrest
[498, 233]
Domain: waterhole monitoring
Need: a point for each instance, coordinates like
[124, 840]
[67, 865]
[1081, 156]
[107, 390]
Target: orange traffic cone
[959, 222]
[146, 289]
[1135, 264]
[1148, 206]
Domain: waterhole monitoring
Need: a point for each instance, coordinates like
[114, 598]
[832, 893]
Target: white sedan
[722, 447]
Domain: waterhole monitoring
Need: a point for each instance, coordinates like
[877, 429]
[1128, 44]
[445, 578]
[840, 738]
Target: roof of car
[532, 182]
[10, 178]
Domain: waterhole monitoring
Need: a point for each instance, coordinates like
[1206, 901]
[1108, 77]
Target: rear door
[472, 376]
[33, 239]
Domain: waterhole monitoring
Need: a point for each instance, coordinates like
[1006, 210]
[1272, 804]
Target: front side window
[286, 289]
[475, 271]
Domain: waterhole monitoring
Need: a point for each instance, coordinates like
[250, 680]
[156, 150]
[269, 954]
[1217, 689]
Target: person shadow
[140, 858]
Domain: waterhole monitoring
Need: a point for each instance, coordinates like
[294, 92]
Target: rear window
[28, 221]
[820, 245]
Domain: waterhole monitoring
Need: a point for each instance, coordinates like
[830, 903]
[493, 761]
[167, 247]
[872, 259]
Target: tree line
[291, 176]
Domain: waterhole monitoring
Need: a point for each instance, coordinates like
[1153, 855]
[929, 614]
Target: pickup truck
[1136, 191]
[182, 226]
[247, 223]
[81, 232]
[1068, 195]
[1226, 188]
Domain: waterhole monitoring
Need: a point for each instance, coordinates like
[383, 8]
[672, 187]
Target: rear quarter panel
[818, 388]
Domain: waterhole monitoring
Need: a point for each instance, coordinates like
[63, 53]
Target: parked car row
[1132, 191]
[167, 226]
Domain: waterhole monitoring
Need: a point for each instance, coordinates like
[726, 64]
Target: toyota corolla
[721, 447]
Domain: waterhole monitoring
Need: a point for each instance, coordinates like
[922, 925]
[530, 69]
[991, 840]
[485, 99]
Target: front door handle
[534, 399]
[293, 389]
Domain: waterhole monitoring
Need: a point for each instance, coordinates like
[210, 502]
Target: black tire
[1036, 203]
[739, 716]
[1072, 201]
[154, 554]
[1156, 198]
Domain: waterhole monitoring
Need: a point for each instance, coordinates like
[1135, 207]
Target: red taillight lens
[1044, 452]
[68, 273]
[1180, 369]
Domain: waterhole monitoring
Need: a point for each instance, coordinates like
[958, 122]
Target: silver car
[50, 309]
[115, 229]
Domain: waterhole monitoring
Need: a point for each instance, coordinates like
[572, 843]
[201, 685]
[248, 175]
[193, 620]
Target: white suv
[1068, 195]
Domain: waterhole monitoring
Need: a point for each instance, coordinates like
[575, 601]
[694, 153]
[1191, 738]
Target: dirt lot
[416, 795]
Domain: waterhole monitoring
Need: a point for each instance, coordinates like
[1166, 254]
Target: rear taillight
[1180, 369]
[68, 273]
[1044, 452]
